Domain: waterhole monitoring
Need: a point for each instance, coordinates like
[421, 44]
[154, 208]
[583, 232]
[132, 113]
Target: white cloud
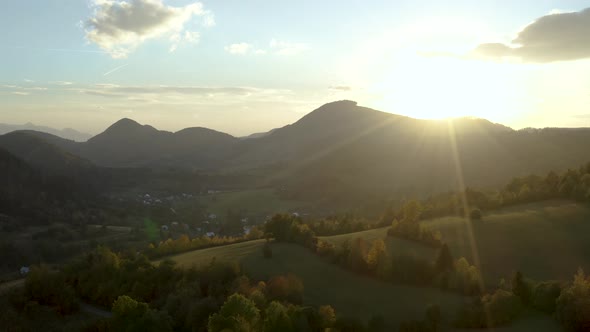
[559, 36]
[287, 48]
[192, 36]
[61, 83]
[275, 47]
[239, 48]
[119, 27]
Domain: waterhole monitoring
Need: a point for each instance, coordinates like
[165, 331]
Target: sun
[446, 87]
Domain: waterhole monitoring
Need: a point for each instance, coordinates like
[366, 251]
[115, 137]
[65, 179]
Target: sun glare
[444, 87]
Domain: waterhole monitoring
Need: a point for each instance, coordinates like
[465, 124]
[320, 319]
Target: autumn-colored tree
[237, 314]
[376, 254]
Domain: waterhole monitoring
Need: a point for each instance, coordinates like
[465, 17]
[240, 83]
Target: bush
[545, 294]
[476, 214]
[267, 250]
[573, 305]
[491, 310]
[502, 307]
[521, 288]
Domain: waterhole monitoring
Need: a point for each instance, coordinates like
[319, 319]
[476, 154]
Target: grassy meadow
[546, 240]
[246, 202]
[543, 240]
[350, 294]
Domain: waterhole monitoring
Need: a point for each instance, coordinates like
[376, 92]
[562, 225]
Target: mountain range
[341, 152]
[67, 133]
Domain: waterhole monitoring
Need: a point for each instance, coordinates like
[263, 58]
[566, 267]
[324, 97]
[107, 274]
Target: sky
[249, 66]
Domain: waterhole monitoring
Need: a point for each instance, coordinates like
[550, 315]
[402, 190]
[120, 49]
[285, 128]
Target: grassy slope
[253, 202]
[350, 294]
[546, 240]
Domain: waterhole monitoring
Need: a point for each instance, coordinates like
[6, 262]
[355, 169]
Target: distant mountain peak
[125, 122]
[339, 104]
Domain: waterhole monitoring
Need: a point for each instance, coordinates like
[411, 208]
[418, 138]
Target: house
[164, 228]
[24, 270]
[210, 234]
[212, 216]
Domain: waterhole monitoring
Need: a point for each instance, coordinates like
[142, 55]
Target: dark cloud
[554, 37]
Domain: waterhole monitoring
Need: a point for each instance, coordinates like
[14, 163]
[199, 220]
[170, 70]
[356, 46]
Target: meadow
[544, 240]
[255, 202]
[350, 294]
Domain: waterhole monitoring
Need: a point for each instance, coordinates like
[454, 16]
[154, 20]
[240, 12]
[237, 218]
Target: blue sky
[248, 66]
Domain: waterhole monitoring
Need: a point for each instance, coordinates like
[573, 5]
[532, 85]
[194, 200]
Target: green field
[348, 293]
[547, 240]
[395, 246]
[247, 202]
[544, 240]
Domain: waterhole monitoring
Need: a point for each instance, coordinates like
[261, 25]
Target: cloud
[287, 48]
[63, 83]
[558, 36]
[340, 88]
[119, 27]
[116, 91]
[239, 48]
[20, 93]
[581, 116]
[275, 47]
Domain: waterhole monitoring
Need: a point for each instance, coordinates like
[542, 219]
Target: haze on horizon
[242, 67]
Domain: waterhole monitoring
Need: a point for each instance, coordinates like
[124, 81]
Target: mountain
[345, 153]
[67, 133]
[127, 143]
[38, 150]
[348, 153]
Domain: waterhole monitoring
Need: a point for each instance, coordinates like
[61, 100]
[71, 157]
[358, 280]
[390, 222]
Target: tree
[131, 315]
[444, 260]
[327, 316]
[572, 306]
[376, 254]
[376, 324]
[237, 314]
[433, 316]
[412, 211]
[476, 214]
[50, 288]
[277, 319]
[267, 250]
[521, 288]
[358, 252]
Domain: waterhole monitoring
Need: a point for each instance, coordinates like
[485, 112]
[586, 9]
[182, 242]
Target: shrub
[267, 250]
[545, 294]
[573, 305]
[521, 287]
[502, 307]
[476, 214]
[496, 309]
